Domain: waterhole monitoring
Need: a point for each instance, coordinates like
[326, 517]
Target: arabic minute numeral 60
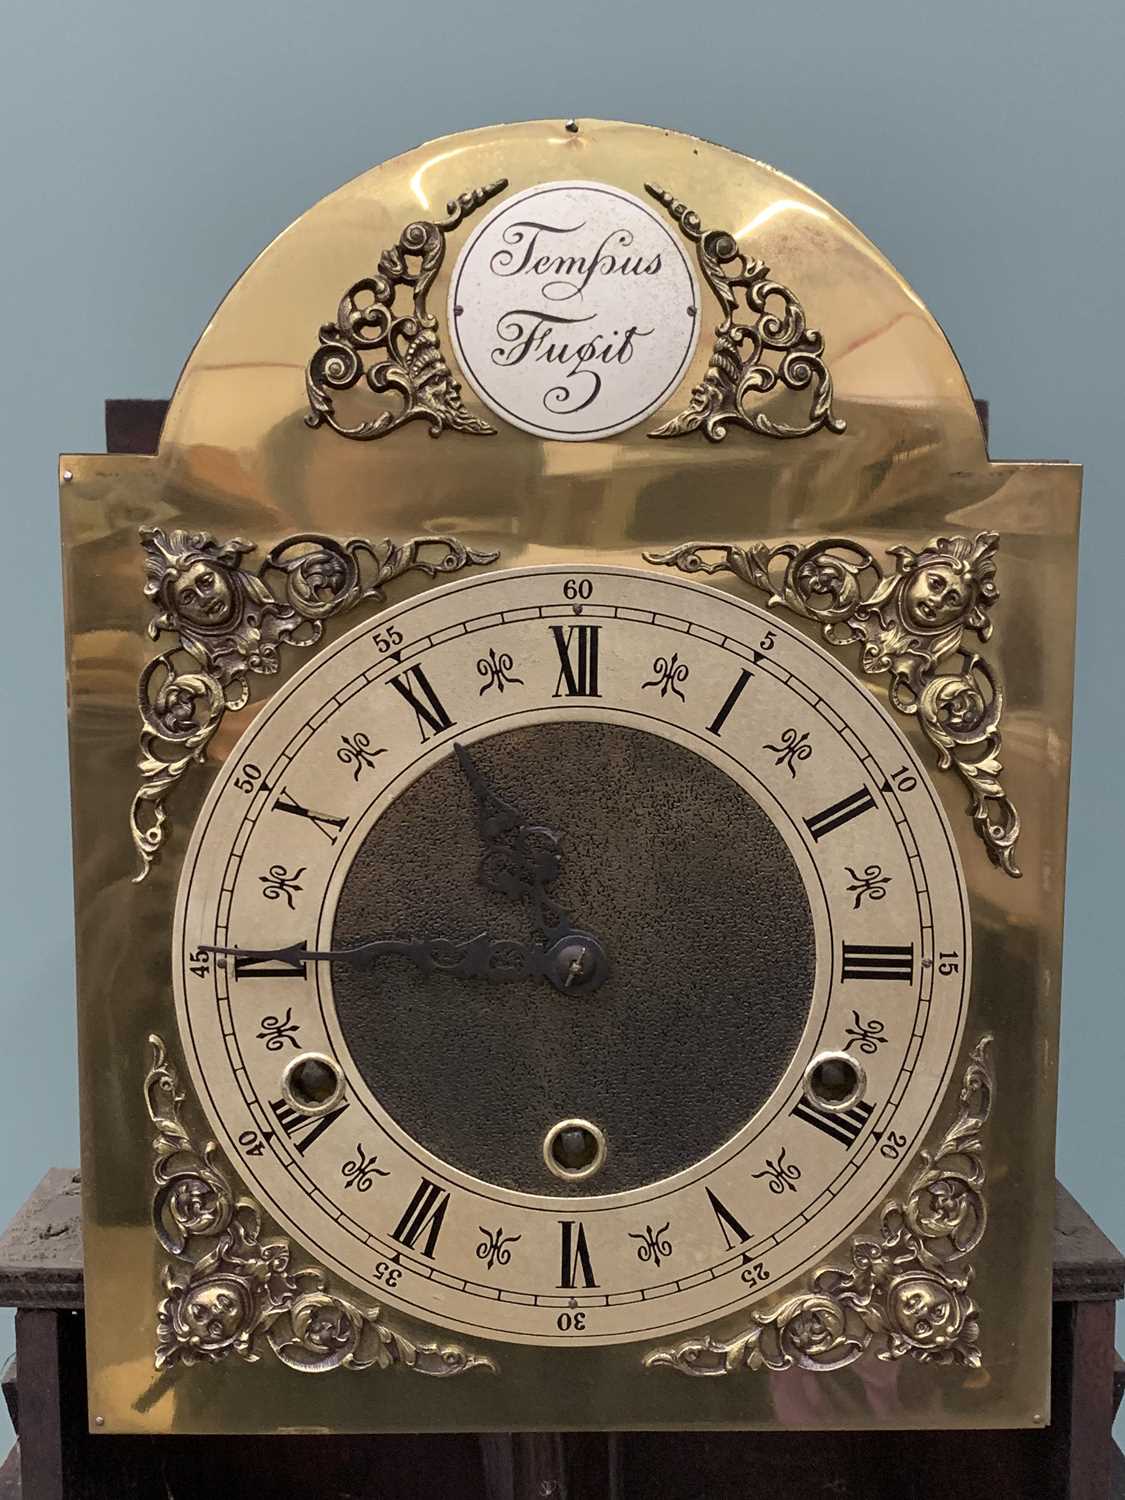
[578, 588]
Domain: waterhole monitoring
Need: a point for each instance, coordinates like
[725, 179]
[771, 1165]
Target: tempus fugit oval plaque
[573, 311]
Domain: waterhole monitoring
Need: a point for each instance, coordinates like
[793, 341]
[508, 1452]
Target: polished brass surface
[238, 460]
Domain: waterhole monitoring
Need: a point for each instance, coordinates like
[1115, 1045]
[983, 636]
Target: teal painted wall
[147, 153]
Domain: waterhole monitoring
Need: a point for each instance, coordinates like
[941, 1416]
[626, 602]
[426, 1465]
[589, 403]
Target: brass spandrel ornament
[906, 623]
[575, 963]
[229, 625]
[414, 372]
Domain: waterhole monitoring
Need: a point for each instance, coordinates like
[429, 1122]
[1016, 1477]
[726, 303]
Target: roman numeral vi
[575, 1255]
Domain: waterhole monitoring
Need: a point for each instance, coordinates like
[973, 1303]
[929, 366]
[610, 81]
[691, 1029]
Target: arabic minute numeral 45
[199, 962]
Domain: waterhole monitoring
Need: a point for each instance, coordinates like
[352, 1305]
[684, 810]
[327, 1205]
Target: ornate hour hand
[521, 858]
[575, 964]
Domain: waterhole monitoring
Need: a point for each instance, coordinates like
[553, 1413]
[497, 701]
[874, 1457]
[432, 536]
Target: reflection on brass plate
[899, 1293]
[228, 1291]
[739, 372]
[908, 621]
[229, 623]
[414, 369]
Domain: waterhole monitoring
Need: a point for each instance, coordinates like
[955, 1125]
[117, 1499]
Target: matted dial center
[690, 921]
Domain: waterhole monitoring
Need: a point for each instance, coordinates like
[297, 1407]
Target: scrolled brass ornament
[908, 623]
[739, 372]
[414, 368]
[905, 1295]
[229, 623]
[228, 1291]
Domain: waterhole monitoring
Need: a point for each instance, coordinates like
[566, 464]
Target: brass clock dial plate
[797, 858]
[672, 1036]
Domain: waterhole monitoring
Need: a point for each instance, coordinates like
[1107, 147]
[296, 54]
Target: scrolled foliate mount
[911, 625]
[228, 1291]
[905, 1294]
[229, 623]
[413, 366]
[749, 359]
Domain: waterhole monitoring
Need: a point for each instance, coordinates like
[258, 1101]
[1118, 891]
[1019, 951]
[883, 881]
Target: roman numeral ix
[247, 967]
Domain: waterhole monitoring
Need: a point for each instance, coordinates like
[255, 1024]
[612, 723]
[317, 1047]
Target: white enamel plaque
[573, 310]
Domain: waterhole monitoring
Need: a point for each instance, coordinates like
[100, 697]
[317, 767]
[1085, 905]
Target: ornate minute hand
[573, 965]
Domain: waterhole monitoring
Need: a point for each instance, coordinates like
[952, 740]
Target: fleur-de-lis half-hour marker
[794, 747]
[669, 672]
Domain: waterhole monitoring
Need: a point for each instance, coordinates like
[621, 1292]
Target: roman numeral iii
[839, 813]
[876, 961]
[430, 712]
[577, 646]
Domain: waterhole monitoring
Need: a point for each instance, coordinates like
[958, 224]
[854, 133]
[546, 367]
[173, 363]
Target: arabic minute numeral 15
[949, 963]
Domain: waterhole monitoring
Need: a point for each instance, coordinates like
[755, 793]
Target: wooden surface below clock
[1072, 1459]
